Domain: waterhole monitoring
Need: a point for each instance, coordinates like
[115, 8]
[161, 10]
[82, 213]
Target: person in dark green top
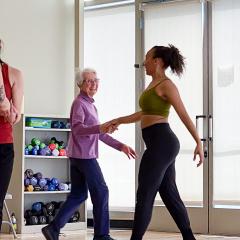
[157, 168]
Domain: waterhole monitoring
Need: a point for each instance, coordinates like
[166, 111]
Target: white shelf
[27, 115]
[48, 129]
[47, 157]
[67, 227]
[45, 192]
[57, 166]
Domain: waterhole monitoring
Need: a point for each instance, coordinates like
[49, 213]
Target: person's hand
[16, 116]
[108, 127]
[199, 151]
[17, 119]
[13, 115]
[5, 109]
[115, 122]
[129, 151]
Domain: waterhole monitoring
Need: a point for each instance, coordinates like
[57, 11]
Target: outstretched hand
[199, 151]
[129, 151]
[115, 122]
[108, 127]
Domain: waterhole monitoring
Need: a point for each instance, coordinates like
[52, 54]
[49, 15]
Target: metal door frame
[197, 215]
[223, 221]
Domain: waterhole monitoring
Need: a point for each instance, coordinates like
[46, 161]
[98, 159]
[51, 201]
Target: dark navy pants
[6, 166]
[86, 175]
[157, 174]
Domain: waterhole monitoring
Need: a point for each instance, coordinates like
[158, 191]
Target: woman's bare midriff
[148, 120]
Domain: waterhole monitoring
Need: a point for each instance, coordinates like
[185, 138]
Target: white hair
[79, 75]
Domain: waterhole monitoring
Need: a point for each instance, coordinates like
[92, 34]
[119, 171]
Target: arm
[135, 117]
[78, 125]
[4, 103]
[17, 94]
[173, 97]
[117, 145]
[77, 122]
[110, 141]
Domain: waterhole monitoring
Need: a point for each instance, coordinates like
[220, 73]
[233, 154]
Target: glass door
[109, 48]
[181, 23]
[225, 187]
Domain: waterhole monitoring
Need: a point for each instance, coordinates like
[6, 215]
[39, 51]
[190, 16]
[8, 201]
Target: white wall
[39, 40]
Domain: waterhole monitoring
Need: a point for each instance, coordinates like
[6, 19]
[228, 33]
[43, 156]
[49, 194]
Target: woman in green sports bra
[157, 168]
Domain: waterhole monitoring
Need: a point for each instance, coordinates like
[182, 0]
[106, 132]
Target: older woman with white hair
[82, 150]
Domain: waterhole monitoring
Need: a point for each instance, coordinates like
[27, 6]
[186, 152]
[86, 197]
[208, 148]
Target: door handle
[210, 123]
[137, 65]
[197, 125]
[204, 140]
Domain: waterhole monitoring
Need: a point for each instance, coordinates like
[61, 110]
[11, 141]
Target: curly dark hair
[171, 57]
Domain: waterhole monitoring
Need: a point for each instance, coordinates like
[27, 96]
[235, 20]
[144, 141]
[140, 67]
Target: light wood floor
[117, 234]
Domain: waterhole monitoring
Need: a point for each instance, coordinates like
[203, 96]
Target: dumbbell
[45, 188]
[37, 188]
[55, 182]
[37, 208]
[29, 173]
[61, 145]
[26, 182]
[50, 219]
[42, 220]
[51, 187]
[55, 124]
[33, 181]
[35, 142]
[35, 150]
[29, 188]
[68, 125]
[44, 211]
[50, 208]
[26, 151]
[28, 213]
[38, 175]
[55, 152]
[33, 220]
[62, 125]
[75, 217]
[53, 140]
[55, 204]
[42, 182]
[62, 187]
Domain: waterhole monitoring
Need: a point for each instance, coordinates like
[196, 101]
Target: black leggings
[157, 174]
[6, 166]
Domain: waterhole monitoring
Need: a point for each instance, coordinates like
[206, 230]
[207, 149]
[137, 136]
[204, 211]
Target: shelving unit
[49, 192]
[45, 157]
[47, 129]
[49, 166]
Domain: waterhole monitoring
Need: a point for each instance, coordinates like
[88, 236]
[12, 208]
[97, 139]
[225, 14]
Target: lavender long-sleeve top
[85, 126]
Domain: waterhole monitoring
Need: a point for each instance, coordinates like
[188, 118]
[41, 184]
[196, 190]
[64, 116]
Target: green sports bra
[152, 104]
